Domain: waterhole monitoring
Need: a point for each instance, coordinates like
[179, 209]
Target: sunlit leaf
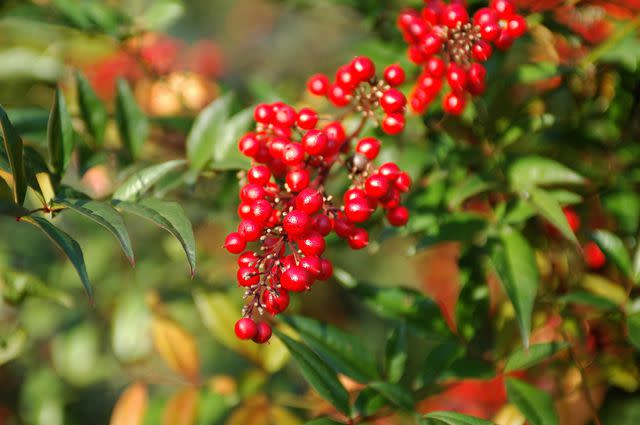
[182, 408]
[13, 150]
[615, 250]
[451, 418]
[550, 209]
[524, 359]
[177, 348]
[11, 345]
[131, 406]
[535, 404]
[207, 127]
[531, 171]
[141, 181]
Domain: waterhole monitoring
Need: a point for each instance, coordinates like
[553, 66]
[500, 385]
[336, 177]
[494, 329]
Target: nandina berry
[261, 210]
[248, 276]
[504, 8]
[249, 145]
[389, 170]
[456, 77]
[481, 51]
[314, 142]
[376, 186]
[338, 95]
[363, 68]
[307, 118]
[263, 113]
[312, 264]
[391, 199]
[235, 243]
[322, 223]
[298, 180]
[393, 123]
[309, 200]
[594, 256]
[357, 210]
[251, 192]
[402, 182]
[435, 66]
[296, 279]
[516, 26]
[293, 154]
[296, 223]
[572, 218]
[343, 227]
[275, 301]
[453, 103]
[335, 131]
[250, 230]
[244, 210]
[246, 328]
[247, 259]
[490, 31]
[398, 216]
[346, 78]
[484, 16]
[454, 15]
[353, 193]
[394, 75]
[318, 84]
[263, 333]
[504, 40]
[476, 75]
[431, 44]
[326, 269]
[392, 100]
[358, 239]
[285, 116]
[259, 174]
[369, 147]
[312, 244]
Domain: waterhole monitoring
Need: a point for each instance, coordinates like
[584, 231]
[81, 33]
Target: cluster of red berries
[450, 45]
[286, 211]
[356, 85]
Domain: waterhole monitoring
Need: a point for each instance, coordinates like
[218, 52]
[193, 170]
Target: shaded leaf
[437, 361]
[68, 245]
[451, 418]
[169, 216]
[614, 250]
[11, 346]
[60, 134]
[524, 359]
[131, 406]
[633, 329]
[133, 124]
[92, 110]
[15, 286]
[342, 350]
[227, 139]
[141, 181]
[550, 209]
[206, 129]
[515, 264]
[182, 408]
[587, 298]
[322, 378]
[161, 13]
[323, 421]
[396, 354]
[471, 186]
[531, 171]
[369, 401]
[395, 393]
[14, 152]
[106, 216]
[536, 405]
[177, 348]
[12, 209]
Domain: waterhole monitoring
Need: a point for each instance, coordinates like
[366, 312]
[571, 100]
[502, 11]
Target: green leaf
[208, 126]
[141, 181]
[461, 226]
[471, 186]
[339, 348]
[92, 110]
[532, 72]
[624, 206]
[60, 134]
[106, 216]
[395, 393]
[614, 250]
[587, 298]
[14, 152]
[226, 141]
[437, 361]
[68, 245]
[369, 401]
[12, 345]
[633, 329]
[536, 405]
[396, 354]
[323, 421]
[16, 286]
[550, 209]
[533, 171]
[322, 378]
[133, 124]
[515, 264]
[524, 359]
[451, 418]
[12, 209]
[636, 264]
[161, 14]
[168, 215]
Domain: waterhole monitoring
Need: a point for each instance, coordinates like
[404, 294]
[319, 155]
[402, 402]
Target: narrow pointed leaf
[342, 350]
[614, 250]
[68, 245]
[224, 147]
[169, 216]
[141, 181]
[468, 188]
[106, 216]
[92, 110]
[524, 359]
[536, 405]
[14, 152]
[396, 354]
[531, 171]
[207, 127]
[320, 376]
[133, 124]
[395, 393]
[550, 209]
[60, 134]
[515, 264]
[451, 418]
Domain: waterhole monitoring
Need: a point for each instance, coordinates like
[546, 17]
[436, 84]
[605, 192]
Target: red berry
[261, 210]
[293, 154]
[338, 95]
[343, 227]
[572, 218]
[390, 170]
[296, 223]
[326, 269]
[247, 259]
[435, 66]
[504, 40]
[263, 333]
[298, 180]
[453, 103]
[456, 77]
[307, 118]
[431, 44]
[357, 210]
[481, 51]
[346, 78]
[476, 75]
[263, 113]
[504, 8]
[369, 147]
[358, 239]
[235, 243]
[250, 230]
[246, 328]
[285, 116]
[393, 123]
[490, 32]
[318, 84]
[322, 224]
[276, 301]
[248, 276]
[363, 68]
[392, 100]
[403, 182]
[394, 75]
[309, 201]
[259, 174]
[376, 186]
[594, 256]
[484, 16]
[454, 15]
[313, 265]
[244, 210]
[249, 145]
[335, 131]
[314, 142]
[312, 244]
[517, 26]
[296, 279]
[398, 216]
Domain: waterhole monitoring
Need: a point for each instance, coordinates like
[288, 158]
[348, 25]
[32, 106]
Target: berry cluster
[356, 84]
[448, 44]
[286, 211]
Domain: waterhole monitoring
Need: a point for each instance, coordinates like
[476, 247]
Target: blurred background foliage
[158, 348]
